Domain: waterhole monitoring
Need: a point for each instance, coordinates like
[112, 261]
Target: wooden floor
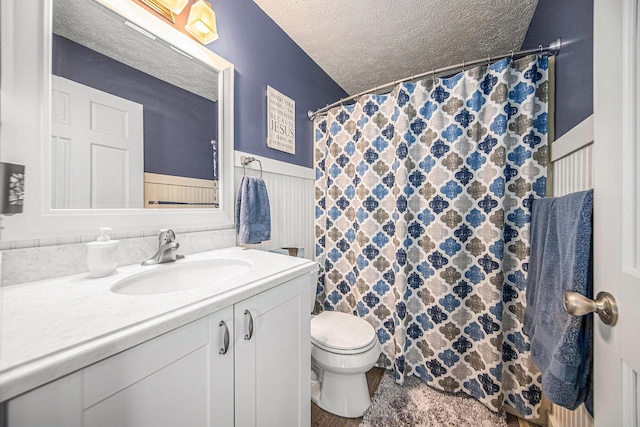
[321, 418]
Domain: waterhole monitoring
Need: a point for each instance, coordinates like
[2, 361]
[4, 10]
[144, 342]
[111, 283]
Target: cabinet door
[162, 382]
[176, 395]
[57, 404]
[273, 362]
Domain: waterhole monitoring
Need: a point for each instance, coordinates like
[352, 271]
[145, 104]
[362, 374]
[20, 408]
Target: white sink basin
[181, 276]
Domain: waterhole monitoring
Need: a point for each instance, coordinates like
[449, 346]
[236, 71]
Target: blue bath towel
[253, 217]
[560, 261]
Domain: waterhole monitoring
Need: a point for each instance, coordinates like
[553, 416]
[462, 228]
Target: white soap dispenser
[102, 255]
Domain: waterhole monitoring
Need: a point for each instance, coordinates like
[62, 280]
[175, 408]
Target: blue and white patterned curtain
[422, 223]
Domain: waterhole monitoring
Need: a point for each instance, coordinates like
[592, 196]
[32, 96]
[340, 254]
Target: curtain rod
[552, 49]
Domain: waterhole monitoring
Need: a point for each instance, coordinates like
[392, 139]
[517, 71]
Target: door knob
[604, 305]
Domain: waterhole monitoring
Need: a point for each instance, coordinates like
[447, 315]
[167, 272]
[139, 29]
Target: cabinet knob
[225, 347]
[250, 334]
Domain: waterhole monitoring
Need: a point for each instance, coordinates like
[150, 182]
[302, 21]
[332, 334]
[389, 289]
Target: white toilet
[343, 348]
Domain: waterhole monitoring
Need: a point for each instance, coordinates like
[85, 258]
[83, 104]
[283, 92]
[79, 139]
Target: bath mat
[416, 404]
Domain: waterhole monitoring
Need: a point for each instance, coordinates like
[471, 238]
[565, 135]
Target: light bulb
[201, 27]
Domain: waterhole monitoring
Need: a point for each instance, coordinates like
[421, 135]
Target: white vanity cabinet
[189, 377]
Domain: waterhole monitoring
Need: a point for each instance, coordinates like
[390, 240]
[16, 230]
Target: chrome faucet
[167, 249]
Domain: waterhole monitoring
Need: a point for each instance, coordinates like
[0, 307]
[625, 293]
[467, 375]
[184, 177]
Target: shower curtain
[423, 205]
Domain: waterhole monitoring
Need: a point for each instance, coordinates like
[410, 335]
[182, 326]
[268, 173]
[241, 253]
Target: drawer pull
[224, 349]
[250, 334]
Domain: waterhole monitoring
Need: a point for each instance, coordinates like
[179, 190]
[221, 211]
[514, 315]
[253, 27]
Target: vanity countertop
[51, 328]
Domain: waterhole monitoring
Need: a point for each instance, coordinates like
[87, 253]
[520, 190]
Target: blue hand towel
[253, 217]
[560, 261]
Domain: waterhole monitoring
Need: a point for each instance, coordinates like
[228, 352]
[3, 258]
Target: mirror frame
[25, 127]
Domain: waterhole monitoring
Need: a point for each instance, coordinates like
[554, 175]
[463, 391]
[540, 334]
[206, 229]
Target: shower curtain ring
[541, 47]
[511, 54]
[463, 66]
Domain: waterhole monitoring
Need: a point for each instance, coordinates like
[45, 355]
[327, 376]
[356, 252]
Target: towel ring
[245, 160]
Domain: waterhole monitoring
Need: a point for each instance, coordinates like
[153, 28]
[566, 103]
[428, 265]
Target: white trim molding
[577, 138]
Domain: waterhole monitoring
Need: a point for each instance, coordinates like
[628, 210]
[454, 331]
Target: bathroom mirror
[133, 118]
[186, 144]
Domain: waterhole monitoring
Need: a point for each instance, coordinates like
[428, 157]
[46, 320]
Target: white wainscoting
[291, 196]
[561, 417]
[573, 172]
[571, 156]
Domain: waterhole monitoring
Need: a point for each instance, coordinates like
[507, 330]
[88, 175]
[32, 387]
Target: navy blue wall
[178, 125]
[573, 21]
[264, 55]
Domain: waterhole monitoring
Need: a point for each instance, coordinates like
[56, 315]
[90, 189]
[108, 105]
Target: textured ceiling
[367, 43]
[92, 25]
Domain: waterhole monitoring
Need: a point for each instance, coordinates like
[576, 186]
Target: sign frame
[281, 122]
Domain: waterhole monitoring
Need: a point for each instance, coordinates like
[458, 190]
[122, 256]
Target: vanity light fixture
[202, 22]
[176, 6]
[167, 8]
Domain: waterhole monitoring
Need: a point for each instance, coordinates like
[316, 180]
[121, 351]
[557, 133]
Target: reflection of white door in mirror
[96, 148]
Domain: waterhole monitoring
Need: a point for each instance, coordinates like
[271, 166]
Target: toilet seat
[342, 333]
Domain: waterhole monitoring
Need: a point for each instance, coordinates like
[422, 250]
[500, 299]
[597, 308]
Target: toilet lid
[341, 331]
